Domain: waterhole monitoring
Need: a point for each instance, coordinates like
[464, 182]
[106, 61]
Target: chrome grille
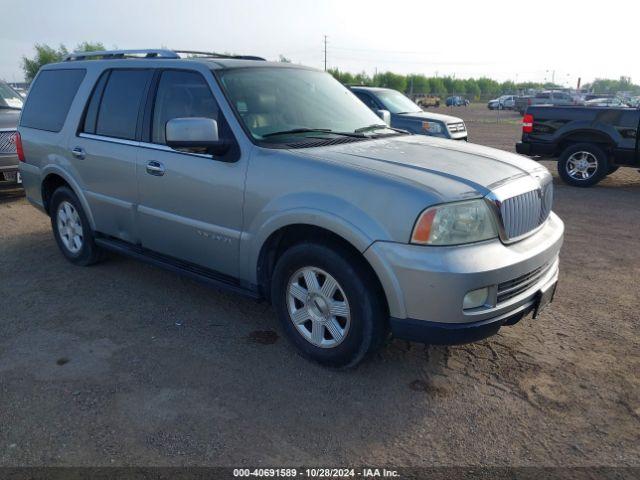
[513, 288]
[456, 127]
[526, 212]
[7, 141]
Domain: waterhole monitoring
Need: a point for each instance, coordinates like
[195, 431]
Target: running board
[204, 275]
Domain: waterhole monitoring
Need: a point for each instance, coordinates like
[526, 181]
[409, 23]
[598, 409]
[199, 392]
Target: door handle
[155, 168]
[78, 152]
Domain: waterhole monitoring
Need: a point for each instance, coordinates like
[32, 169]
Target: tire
[587, 161]
[71, 229]
[363, 325]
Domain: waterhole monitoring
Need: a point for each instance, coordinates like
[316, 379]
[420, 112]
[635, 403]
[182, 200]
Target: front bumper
[428, 284]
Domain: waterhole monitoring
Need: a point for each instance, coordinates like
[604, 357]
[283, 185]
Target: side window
[118, 110]
[50, 98]
[181, 94]
[368, 101]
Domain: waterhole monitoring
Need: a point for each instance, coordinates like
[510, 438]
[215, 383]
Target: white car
[505, 102]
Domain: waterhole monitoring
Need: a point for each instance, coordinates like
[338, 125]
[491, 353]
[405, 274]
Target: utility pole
[325, 53]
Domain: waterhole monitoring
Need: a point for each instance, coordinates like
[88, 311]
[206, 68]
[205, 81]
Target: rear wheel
[71, 229]
[329, 304]
[583, 165]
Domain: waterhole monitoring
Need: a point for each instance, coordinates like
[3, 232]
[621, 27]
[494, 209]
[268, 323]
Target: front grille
[456, 127]
[513, 288]
[526, 212]
[8, 141]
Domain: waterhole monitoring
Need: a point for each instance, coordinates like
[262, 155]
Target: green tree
[472, 88]
[47, 54]
[390, 80]
[437, 86]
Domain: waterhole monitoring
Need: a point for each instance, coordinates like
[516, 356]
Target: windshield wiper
[376, 126]
[311, 130]
[379, 126]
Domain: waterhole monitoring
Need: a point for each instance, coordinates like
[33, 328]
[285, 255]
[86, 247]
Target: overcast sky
[500, 39]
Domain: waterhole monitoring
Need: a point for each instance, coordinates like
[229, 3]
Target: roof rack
[115, 54]
[218, 55]
[154, 53]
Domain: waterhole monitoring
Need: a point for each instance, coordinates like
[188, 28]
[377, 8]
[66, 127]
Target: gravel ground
[126, 364]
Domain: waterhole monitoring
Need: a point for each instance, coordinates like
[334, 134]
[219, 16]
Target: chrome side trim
[134, 143]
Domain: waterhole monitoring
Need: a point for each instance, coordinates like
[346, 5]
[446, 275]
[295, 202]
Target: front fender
[330, 213]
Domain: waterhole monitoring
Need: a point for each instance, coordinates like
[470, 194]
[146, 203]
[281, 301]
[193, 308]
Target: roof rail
[218, 55]
[116, 54]
[156, 53]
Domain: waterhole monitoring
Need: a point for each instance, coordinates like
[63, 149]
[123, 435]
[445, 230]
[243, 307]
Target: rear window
[50, 98]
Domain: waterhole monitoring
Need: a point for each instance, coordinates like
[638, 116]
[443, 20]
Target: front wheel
[583, 165]
[329, 303]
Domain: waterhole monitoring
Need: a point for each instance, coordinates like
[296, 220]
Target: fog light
[475, 298]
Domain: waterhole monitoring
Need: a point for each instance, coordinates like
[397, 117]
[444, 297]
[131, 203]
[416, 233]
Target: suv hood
[422, 116]
[447, 169]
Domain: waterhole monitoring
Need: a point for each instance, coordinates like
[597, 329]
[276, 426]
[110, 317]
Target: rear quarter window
[50, 98]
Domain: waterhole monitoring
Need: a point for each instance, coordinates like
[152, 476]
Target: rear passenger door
[190, 202]
[104, 151]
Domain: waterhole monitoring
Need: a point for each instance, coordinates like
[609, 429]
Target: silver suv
[275, 181]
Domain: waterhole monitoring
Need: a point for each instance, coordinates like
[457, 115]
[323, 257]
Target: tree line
[473, 88]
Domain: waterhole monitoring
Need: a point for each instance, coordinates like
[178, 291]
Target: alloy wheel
[318, 307]
[69, 227]
[582, 165]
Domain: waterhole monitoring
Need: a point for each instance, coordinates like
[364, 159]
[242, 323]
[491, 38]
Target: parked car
[10, 107]
[405, 114]
[589, 142]
[274, 181]
[544, 98]
[426, 101]
[456, 101]
[504, 102]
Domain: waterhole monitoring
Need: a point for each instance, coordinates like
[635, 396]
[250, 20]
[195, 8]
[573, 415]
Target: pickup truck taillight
[527, 123]
[19, 149]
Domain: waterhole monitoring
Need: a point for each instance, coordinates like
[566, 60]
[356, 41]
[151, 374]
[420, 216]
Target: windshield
[9, 97]
[272, 102]
[396, 102]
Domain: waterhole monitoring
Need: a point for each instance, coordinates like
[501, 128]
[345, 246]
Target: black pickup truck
[589, 142]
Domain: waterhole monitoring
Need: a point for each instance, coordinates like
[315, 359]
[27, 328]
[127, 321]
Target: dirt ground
[126, 364]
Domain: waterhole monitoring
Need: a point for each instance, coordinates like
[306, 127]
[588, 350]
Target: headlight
[432, 127]
[454, 224]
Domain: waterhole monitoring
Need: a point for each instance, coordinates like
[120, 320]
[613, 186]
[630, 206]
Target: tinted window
[50, 98]
[123, 94]
[92, 110]
[181, 95]
[368, 101]
[543, 95]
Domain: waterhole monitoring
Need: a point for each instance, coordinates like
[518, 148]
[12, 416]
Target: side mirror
[385, 115]
[195, 132]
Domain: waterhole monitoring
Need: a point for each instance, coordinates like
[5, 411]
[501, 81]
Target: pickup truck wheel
[71, 229]
[329, 306]
[583, 165]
